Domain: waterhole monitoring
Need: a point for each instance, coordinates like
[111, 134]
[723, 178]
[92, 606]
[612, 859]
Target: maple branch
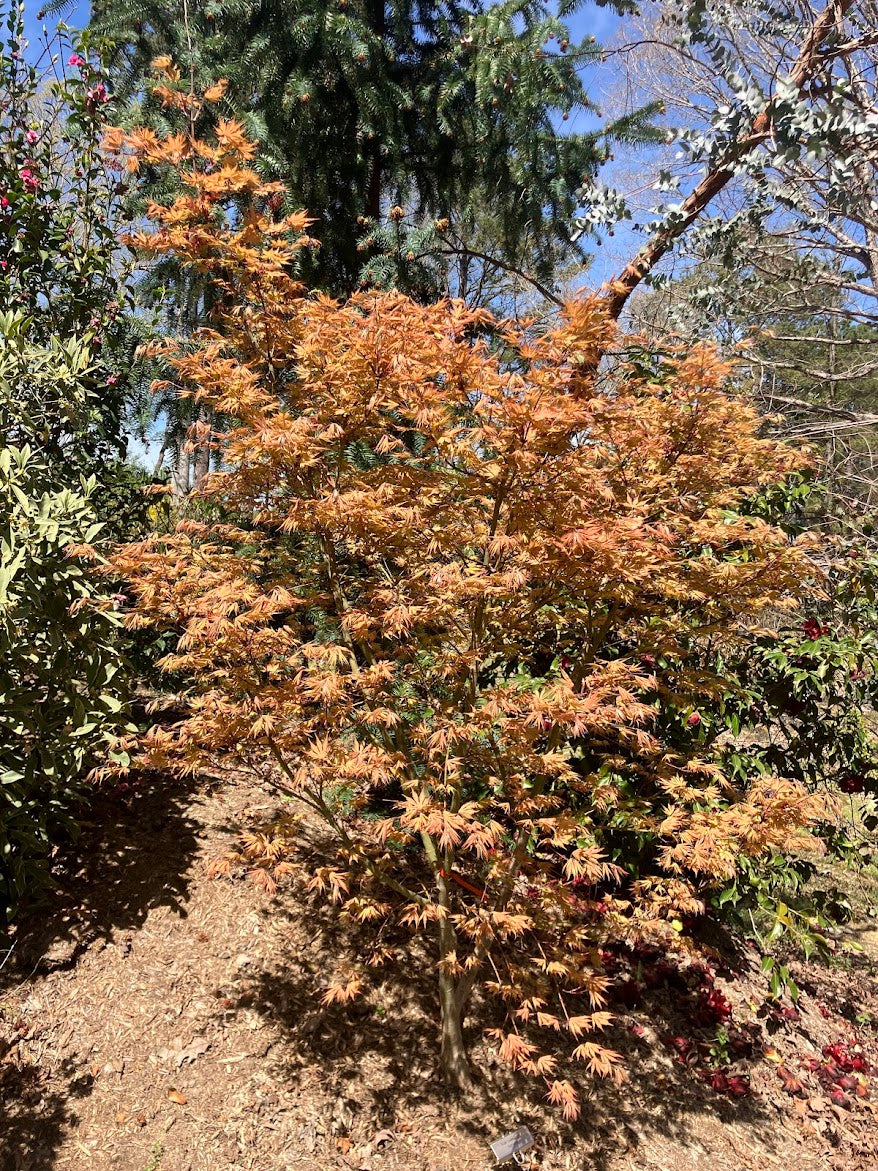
[319, 806]
[723, 171]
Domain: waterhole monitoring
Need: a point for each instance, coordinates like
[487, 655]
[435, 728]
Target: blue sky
[601, 23]
[77, 15]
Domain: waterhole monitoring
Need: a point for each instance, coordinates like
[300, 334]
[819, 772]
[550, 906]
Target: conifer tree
[434, 108]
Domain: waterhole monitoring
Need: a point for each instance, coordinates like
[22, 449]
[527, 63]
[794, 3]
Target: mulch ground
[154, 1019]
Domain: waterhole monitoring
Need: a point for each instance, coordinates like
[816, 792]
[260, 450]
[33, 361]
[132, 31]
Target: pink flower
[4, 263]
[76, 60]
[31, 137]
[112, 379]
[694, 720]
[97, 95]
[4, 203]
[29, 179]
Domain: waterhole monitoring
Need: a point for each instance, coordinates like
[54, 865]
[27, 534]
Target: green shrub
[60, 701]
[64, 351]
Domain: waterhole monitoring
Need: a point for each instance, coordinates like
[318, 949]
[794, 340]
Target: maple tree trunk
[455, 1062]
[453, 1056]
[714, 181]
[452, 1003]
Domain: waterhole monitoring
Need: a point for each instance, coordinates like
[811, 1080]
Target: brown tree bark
[453, 1058]
[455, 1063]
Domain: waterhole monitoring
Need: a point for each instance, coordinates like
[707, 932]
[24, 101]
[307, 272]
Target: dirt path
[156, 1020]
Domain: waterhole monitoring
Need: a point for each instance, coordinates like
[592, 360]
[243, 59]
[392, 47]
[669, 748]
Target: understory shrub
[60, 705]
[426, 596]
[61, 407]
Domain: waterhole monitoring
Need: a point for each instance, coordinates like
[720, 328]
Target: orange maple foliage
[435, 549]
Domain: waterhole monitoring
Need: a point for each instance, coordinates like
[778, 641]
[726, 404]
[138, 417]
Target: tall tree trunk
[180, 474]
[373, 191]
[160, 458]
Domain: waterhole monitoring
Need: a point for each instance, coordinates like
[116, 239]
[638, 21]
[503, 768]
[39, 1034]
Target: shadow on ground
[377, 1058]
[33, 1118]
[134, 855]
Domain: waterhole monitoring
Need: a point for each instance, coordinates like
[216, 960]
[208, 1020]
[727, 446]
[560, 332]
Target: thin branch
[506, 267]
[801, 404]
[822, 375]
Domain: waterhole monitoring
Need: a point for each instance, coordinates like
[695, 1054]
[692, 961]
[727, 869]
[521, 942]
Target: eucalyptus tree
[771, 107]
[767, 197]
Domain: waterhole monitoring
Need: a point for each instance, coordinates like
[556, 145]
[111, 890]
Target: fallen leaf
[344, 1145]
[176, 1096]
[140, 1119]
[839, 1099]
[121, 1117]
[382, 1138]
[791, 1083]
[192, 1051]
[179, 1054]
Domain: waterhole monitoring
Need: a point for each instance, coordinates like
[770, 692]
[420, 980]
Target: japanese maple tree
[423, 592]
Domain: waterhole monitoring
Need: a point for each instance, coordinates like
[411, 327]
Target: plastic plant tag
[510, 1146]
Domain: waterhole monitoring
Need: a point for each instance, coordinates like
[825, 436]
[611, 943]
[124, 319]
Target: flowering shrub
[424, 596]
[60, 418]
[796, 701]
[59, 263]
